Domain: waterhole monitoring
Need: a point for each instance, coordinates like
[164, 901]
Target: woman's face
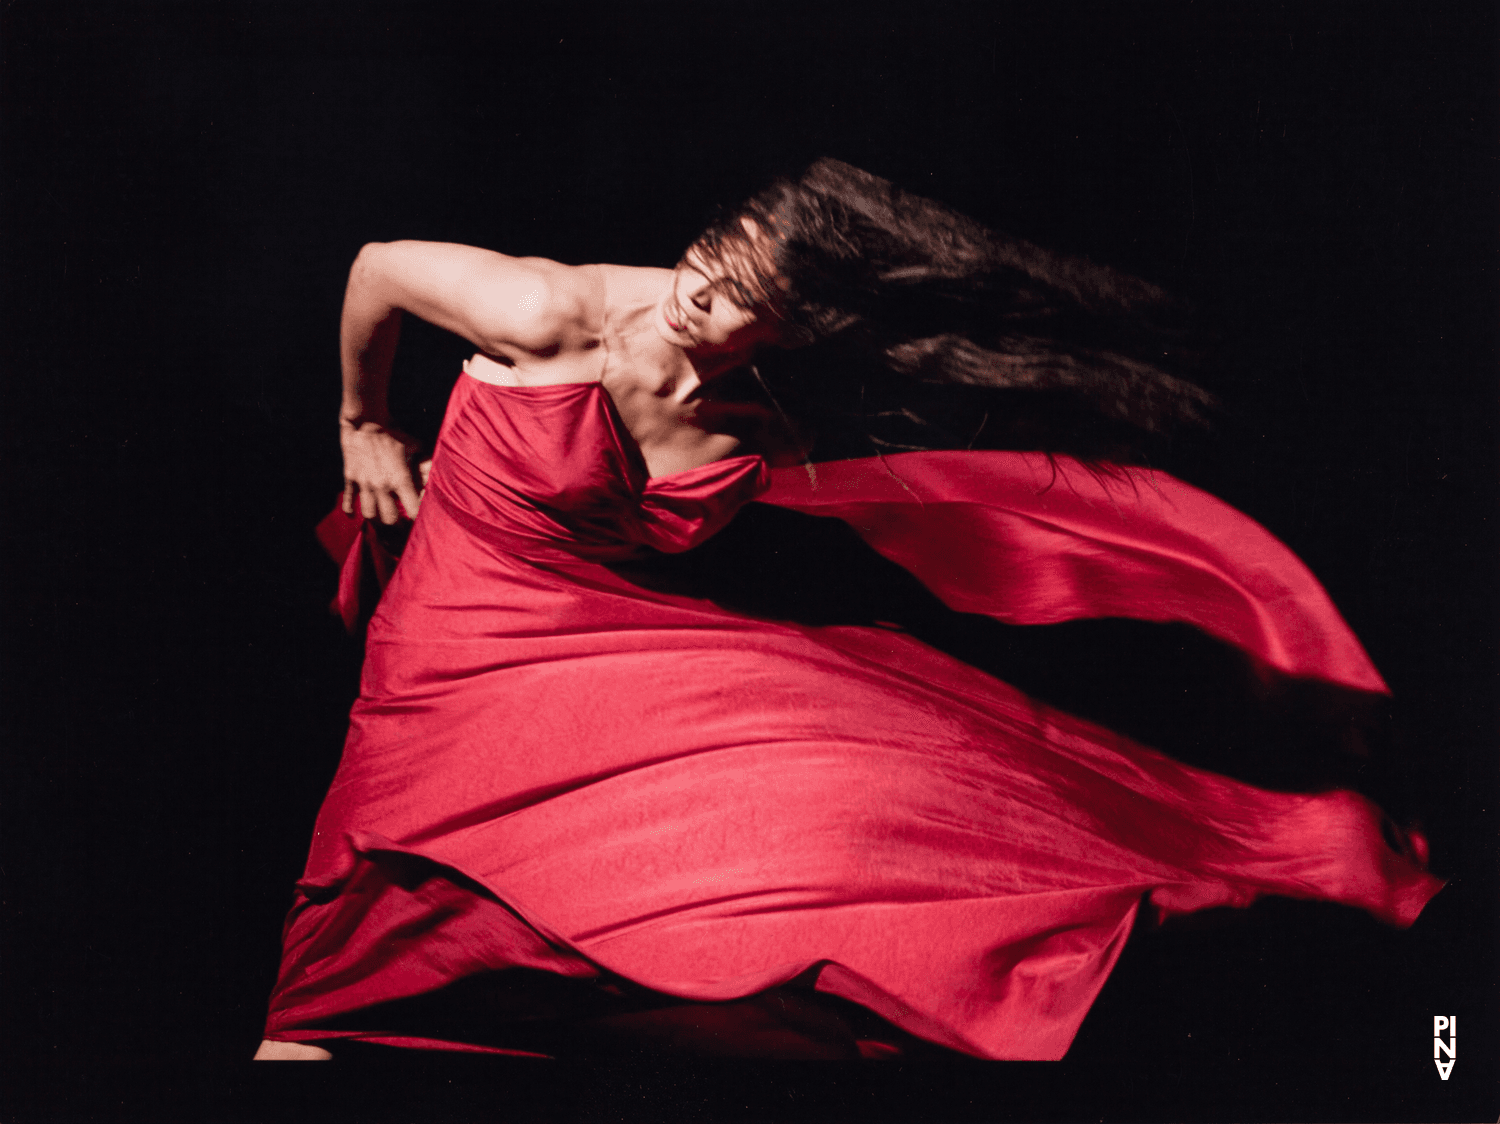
[714, 304]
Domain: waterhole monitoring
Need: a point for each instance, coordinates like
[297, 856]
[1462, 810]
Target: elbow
[367, 258]
[368, 297]
[369, 276]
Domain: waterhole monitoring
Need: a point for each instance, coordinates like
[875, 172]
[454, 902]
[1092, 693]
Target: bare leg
[291, 1052]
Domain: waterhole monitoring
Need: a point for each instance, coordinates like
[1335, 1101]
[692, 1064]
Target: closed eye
[736, 294]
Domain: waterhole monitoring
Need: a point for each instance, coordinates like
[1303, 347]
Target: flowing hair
[954, 334]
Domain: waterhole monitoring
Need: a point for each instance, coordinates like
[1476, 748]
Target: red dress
[628, 781]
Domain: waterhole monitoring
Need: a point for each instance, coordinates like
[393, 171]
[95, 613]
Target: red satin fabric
[710, 804]
[1029, 541]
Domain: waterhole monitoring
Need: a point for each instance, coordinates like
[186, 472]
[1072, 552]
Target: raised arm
[504, 306]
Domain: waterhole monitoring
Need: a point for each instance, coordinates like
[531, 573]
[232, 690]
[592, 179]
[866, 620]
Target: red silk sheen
[1026, 541]
[633, 781]
[353, 543]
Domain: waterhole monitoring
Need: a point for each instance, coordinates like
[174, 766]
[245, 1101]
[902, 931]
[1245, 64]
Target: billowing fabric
[1029, 540]
[631, 781]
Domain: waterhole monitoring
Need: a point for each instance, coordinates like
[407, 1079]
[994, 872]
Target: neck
[680, 370]
[680, 381]
[708, 363]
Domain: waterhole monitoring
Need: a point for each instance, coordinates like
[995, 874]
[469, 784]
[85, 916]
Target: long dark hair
[936, 331]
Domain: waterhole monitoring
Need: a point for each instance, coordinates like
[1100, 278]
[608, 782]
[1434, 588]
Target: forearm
[369, 330]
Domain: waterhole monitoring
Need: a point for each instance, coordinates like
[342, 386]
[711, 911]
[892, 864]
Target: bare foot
[291, 1052]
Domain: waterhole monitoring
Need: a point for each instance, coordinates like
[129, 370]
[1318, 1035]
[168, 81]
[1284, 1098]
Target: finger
[407, 494]
[347, 502]
[390, 510]
[367, 507]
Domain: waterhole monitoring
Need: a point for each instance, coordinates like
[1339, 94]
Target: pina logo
[1441, 1023]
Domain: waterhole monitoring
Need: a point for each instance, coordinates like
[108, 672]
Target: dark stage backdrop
[185, 186]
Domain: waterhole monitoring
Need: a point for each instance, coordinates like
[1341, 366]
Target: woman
[560, 770]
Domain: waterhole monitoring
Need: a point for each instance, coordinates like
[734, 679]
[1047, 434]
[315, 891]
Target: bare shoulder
[555, 305]
[539, 306]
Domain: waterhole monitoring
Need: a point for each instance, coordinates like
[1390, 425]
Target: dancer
[558, 770]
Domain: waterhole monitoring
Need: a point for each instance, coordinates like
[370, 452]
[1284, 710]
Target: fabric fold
[708, 804]
[1028, 539]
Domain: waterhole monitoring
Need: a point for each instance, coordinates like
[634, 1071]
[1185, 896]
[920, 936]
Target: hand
[379, 470]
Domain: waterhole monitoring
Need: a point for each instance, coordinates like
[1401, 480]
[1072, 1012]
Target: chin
[666, 332]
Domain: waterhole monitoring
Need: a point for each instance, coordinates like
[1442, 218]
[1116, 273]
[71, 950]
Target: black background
[185, 186]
